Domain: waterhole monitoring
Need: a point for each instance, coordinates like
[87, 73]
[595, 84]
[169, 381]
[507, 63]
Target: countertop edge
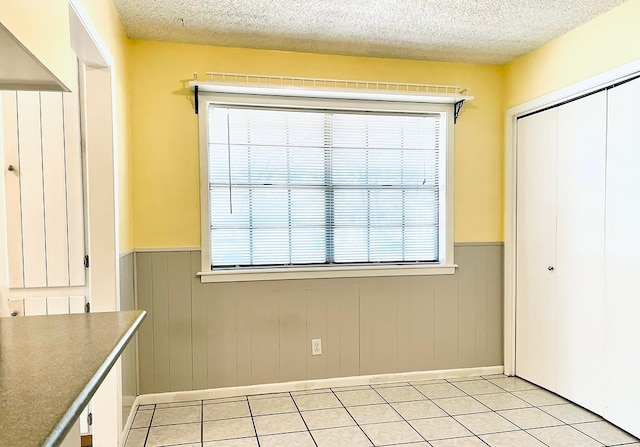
[63, 426]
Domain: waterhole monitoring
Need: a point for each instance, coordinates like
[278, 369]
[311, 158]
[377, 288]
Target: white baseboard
[132, 415]
[305, 385]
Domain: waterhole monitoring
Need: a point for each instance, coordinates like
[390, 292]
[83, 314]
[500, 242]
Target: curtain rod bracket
[195, 102]
[456, 109]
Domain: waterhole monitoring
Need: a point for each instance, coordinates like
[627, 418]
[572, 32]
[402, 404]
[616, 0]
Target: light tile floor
[495, 411]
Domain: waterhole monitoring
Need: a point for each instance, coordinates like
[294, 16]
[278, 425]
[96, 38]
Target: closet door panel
[536, 235]
[622, 258]
[579, 270]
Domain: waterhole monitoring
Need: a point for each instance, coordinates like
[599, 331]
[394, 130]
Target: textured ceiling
[480, 31]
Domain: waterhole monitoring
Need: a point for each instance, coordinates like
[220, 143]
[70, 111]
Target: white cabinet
[578, 252]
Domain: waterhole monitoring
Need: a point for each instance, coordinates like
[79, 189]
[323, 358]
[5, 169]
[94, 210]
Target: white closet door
[536, 236]
[579, 304]
[622, 259]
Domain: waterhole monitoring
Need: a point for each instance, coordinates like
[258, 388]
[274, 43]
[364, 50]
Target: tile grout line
[350, 415]
[253, 422]
[146, 438]
[303, 421]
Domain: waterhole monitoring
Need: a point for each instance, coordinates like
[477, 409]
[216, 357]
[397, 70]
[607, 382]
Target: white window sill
[272, 274]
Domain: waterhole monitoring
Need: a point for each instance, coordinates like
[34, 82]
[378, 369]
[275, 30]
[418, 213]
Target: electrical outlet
[316, 346]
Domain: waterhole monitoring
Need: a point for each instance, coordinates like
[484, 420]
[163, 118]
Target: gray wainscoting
[129, 361]
[199, 336]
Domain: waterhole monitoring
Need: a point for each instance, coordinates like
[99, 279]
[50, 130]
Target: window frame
[362, 102]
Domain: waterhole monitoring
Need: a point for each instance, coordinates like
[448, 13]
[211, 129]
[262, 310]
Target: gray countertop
[50, 367]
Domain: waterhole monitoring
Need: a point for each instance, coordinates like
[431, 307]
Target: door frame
[510, 187]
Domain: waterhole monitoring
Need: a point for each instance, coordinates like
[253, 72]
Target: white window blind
[306, 187]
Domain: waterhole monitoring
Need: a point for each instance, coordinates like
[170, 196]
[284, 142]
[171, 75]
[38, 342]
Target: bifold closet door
[536, 326]
[622, 258]
[579, 270]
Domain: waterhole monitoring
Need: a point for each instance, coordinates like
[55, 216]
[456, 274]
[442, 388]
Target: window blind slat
[322, 187]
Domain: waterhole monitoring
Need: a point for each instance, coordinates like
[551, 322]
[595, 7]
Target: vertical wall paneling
[160, 291]
[247, 333]
[244, 339]
[579, 305]
[198, 324]
[222, 321]
[32, 190]
[421, 320]
[265, 324]
[293, 333]
[494, 319]
[12, 187]
[446, 322]
[146, 345]
[468, 300]
[622, 258]
[55, 188]
[179, 296]
[75, 187]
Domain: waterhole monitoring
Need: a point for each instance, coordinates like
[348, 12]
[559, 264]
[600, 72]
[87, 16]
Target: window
[297, 185]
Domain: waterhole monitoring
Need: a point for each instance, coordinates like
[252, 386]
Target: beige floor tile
[439, 390]
[460, 405]
[540, 397]
[225, 410]
[571, 413]
[352, 388]
[300, 439]
[279, 423]
[502, 401]
[173, 434]
[316, 391]
[272, 405]
[136, 437]
[531, 417]
[189, 403]
[223, 400]
[416, 444]
[513, 384]
[511, 439]
[485, 423]
[400, 394]
[418, 410]
[391, 433]
[327, 418]
[440, 428]
[344, 436]
[606, 433]
[241, 442]
[227, 429]
[177, 415]
[317, 401]
[563, 436]
[474, 387]
[142, 419]
[374, 414]
[460, 442]
[359, 397]
[267, 396]
[146, 407]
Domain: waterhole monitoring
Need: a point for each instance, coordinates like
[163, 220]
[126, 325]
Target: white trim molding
[557, 97]
[307, 385]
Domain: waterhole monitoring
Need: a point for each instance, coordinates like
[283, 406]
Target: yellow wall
[607, 42]
[106, 20]
[164, 131]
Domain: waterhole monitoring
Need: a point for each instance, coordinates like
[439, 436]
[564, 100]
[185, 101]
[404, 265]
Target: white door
[536, 325]
[622, 251]
[579, 270]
